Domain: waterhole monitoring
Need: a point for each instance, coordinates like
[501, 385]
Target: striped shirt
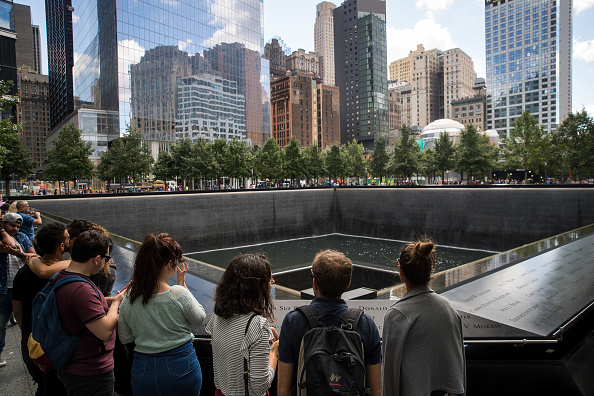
[230, 346]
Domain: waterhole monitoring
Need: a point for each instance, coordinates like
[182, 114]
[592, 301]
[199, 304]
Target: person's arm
[17, 310]
[103, 327]
[37, 220]
[6, 239]
[261, 373]
[44, 271]
[285, 378]
[374, 378]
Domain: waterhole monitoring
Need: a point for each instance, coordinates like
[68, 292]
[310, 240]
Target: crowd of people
[416, 356]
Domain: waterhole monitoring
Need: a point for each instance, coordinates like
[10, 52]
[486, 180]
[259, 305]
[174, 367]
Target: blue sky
[442, 24]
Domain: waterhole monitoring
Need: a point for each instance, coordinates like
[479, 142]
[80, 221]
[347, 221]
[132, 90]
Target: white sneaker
[2, 362]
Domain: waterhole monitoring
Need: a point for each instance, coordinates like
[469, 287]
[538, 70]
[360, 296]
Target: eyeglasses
[106, 257]
[312, 273]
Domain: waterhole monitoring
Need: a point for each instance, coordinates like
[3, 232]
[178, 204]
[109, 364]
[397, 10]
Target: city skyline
[435, 24]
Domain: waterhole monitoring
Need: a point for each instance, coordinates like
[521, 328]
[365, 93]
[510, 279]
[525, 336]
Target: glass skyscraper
[528, 54]
[361, 66]
[133, 59]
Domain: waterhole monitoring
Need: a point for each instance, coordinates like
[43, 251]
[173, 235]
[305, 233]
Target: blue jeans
[5, 311]
[173, 372]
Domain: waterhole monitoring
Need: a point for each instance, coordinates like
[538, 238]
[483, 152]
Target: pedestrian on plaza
[158, 318]
[30, 219]
[240, 328]
[422, 344]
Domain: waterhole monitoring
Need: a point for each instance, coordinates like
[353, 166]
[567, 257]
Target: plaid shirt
[7, 272]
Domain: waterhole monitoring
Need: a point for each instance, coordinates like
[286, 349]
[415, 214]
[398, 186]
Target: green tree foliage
[355, 161]
[236, 160]
[68, 158]
[138, 159]
[526, 147]
[164, 168]
[574, 140]
[112, 165]
[378, 161]
[474, 154]
[182, 159]
[444, 154]
[293, 160]
[428, 163]
[313, 163]
[271, 165]
[335, 162]
[404, 160]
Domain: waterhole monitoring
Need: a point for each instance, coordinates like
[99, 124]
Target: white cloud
[182, 45]
[582, 5]
[583, 50]
[589, 109]
[235, 29]
[426, 32]
[75, 18]
[434, 5]
[129, 53]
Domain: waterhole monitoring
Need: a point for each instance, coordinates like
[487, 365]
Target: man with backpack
[84, 311]
[330, 348]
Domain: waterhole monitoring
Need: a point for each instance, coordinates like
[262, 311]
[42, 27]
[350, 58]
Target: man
[30, 219]
[11, 259]
[83, 311]
[331, 272]
[53, 239]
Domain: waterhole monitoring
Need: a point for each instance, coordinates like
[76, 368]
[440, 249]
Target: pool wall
[490, 218]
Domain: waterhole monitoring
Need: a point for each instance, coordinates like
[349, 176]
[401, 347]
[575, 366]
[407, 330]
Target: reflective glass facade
[361, 69]
[528, 54]
[138, 58]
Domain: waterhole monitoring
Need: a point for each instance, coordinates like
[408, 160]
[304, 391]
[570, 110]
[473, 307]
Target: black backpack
[331, 358]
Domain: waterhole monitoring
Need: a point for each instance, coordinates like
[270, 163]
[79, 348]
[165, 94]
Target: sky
[442, 24]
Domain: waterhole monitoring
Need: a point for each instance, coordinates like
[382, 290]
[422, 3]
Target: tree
[68, 158]
[236, 160]
[575, 138]
[112, 161]
[164, 168]
[293, 160]
[474, 153]
[271, 164]
[313, 163]
[335, 161]
[137, 155]
[444, 154]
[182, 155]
[428, 163]
[525, 147]
[355, 161]
[405, 158]
[378, 161]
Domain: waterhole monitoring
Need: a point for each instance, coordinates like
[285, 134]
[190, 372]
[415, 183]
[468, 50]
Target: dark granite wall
[491, 218]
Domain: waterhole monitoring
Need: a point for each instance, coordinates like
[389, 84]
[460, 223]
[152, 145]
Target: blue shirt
[26, 244]
[27, 226]
[295, 325]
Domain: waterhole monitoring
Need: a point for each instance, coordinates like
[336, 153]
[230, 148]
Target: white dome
[444, 125]
[492, 133]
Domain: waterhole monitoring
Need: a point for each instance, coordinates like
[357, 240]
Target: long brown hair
[156, 252]
[417, 261]
[245, 287]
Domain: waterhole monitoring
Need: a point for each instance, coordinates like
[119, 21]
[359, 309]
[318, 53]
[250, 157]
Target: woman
[158, 318]
[423, 349]
[243, 295]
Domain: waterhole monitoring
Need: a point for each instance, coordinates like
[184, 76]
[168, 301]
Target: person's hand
[181, 271]
[274, 349]
[274, 334]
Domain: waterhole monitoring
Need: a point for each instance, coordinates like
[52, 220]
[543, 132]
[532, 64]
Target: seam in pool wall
[492, 219]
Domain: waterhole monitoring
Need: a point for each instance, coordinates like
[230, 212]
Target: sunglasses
[106, 257]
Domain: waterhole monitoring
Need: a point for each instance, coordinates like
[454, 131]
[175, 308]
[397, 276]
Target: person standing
[30, 219]
[158, 318]
[240, 328]
[86, 312]
[422, 348]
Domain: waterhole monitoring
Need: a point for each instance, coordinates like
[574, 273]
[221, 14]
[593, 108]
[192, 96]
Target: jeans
[173, 372]
[5, 311]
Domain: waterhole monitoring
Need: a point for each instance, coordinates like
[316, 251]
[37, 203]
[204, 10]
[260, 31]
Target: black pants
[48, 384]
[91, 385]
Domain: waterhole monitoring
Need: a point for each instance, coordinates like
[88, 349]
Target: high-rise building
[131, 57]
[60, 59]
[324, 40]
[401, 69]
[277, 53]
[528, 53]
[304, 62]
[33, 112]
[27, 50]
[8, 63]
[36, 49]
[426, 89]
[328, 116]
[458, 78]
[472, 109]
[360, 60]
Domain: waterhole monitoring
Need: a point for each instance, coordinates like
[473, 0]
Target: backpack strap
[312, 315]
[351, 319]
[246, 371]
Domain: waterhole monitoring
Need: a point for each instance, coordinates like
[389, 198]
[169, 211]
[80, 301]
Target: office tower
[458, 78]
[426, 89]
[528, 54]
[36, 49]
[360, 61]
[277, 53]
[401, 69]
[33, 112]
[324, 40]
[8, 63]
[133, 56]
[25, 45]
[395, 106]
[60, 59]
[328, 115]
[304, 62]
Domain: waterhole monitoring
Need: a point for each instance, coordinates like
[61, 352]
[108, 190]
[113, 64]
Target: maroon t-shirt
[79, 304]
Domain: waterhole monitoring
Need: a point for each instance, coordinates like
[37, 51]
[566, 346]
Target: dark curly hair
[417, 261]
[50, 236]
[156, 252]
[245, 287]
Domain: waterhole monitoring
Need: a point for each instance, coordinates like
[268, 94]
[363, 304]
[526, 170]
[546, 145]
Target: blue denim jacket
[26, 244]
